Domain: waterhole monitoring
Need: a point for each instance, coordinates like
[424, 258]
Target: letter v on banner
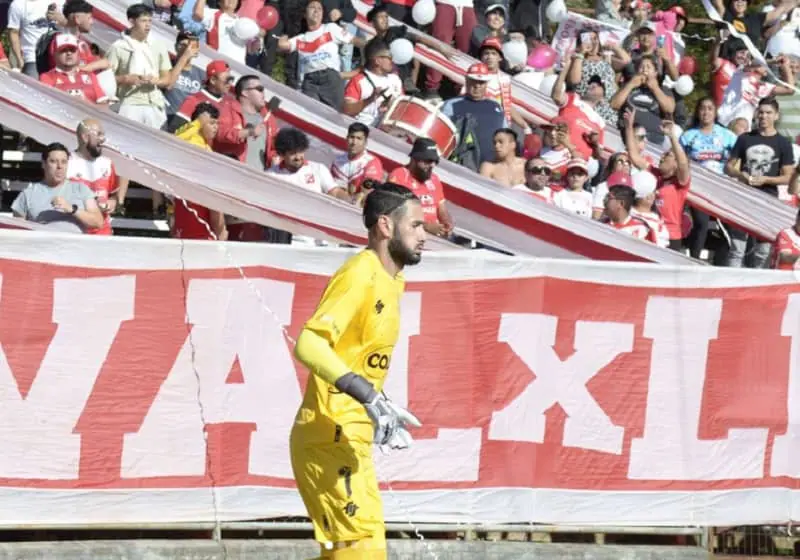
[454, 455]
[88, 312]
[681, 329]
[227, 321]
[532, 337]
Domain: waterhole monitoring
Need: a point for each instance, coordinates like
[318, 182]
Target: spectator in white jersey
[319, 63]
[292, 145]
[369, 93]
[69, 206]
[357, 169]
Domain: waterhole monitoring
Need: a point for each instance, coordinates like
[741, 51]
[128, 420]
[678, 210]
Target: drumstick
[385, 97]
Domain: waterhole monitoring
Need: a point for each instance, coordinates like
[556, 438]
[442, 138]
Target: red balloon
[267, 17]
[533, 146]
[688, 66]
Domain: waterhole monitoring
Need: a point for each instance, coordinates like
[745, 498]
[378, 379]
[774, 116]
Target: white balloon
[245, 29]
[684, 86]
[516, 52]
[402, 51]
[424, 12]
[108, 83]
[547, 83]
[556, 11]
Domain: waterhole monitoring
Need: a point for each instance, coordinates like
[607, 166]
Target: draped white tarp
[482, 210]
[719, 196]
[169, 165]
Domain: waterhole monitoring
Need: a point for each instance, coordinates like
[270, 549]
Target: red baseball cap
[578, 163]
[492, 43]
[65, 41]
[216, 67]
[619, 179]
[478, 72]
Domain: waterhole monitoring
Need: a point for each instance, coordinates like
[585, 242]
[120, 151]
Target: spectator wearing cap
[220, 26]
[673, 178]
[57, 201]
[786, 249]
[643, 94]
[537, 180]
[507, 168]
[593, 63]
[79, 20]
[68, 77]
[355, 169]
[454, 19]
[761, 159]
[217, 84]
[378, 17]
[193, 221]
[487, 115]
[190, 80]
[495, 18]
[498, 87]
[648, 48]
[574, 198]
[418, 177]
[619, 203]
[247, 128]
[586, 126]
[369, 93]
[619, 162]
[29, 21]
[644, 185]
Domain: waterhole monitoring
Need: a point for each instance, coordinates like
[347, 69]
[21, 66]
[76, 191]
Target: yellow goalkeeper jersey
[359, 316]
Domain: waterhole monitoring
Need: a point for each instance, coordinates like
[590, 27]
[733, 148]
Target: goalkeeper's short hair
[384, 200]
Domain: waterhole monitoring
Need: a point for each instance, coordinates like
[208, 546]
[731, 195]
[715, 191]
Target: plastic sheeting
[717, 195]
[482, 210]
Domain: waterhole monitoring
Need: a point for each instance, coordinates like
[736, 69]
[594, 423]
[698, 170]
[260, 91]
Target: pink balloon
[267, 17]
[542, 57]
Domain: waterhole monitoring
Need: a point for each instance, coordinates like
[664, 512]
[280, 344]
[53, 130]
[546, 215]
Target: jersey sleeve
[209, 18]
[187, 107]
[326, 179]
[16, 14]
[339, 34]
[398, 176]
[340, 303]
[373, 170]
[99, 94]
[47, 79]
[353, 91]
[113, 179]
[20, 204]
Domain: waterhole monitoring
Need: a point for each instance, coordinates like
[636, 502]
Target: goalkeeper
[347, 345]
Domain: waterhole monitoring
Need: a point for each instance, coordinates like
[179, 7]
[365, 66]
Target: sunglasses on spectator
[537, 170]
[257, 88]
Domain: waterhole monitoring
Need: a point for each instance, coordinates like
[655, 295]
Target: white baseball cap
[644, 183]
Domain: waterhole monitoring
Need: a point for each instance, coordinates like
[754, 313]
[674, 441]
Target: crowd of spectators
[745, 127]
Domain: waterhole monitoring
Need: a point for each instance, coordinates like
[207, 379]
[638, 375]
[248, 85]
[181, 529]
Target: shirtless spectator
[355, 169]
[537, 180]
[68, 77]
[418, 177]
[89, 166]
[65, 205]
[507, 168]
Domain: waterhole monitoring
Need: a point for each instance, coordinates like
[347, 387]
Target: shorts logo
[350, 509]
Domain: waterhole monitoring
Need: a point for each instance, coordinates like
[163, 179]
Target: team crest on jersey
[85, 78]
[379, 307]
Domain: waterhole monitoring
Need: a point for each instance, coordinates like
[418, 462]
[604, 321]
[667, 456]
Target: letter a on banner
[38, 430]
[454, 455]
[227, 321]
[681, 329]
[532, 336]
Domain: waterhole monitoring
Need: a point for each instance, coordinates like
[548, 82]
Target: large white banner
[550, 391]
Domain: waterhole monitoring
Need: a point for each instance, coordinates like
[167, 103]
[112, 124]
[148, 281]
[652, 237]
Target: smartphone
[661, 41]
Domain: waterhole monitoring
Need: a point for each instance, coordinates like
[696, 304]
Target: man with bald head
[89, 166]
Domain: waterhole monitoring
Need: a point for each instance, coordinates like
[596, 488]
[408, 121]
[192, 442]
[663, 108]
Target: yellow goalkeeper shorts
[339, 488]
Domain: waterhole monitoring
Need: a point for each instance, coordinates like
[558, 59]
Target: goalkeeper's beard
[401, 254]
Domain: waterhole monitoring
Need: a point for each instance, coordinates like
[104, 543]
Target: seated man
[353, 169]
[370, 92]
[507, 168]
[68, 75]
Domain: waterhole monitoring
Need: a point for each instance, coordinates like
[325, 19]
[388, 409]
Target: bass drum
[412, 118]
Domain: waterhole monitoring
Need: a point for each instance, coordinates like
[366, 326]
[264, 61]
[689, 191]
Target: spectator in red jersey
[619, 202]
[786, 250]
[246, 128]
[89, 166]
[4, 64]
[357, 168]
[580, 115]
[419, 178]
[369, 93]
[218, 78]
[192, 221]
[537, 180]
[68, 77]
[673, 176]
[79, 20]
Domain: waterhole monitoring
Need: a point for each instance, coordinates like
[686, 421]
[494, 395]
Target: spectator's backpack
[467, 152]
[43, 61]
